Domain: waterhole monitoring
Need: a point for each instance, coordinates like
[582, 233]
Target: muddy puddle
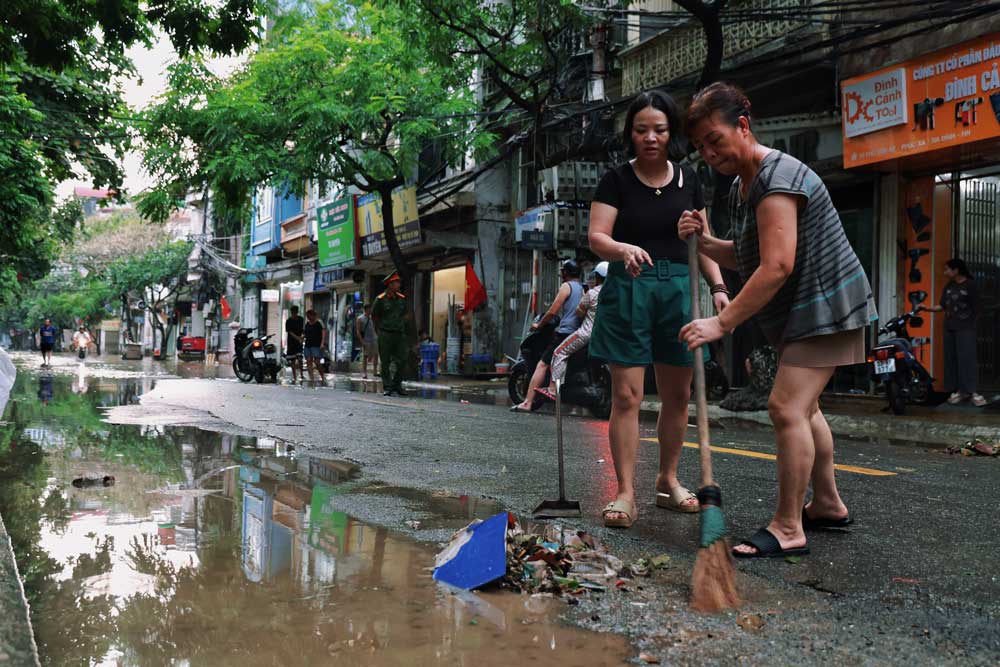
[218, 549]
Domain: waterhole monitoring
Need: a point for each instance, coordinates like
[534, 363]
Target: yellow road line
[771, 457]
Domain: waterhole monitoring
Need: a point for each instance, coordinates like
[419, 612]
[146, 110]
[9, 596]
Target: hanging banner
[335, 233]
[941, 100]
[371, 228]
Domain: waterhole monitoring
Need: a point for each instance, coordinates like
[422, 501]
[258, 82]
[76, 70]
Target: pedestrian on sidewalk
[46, 341]
[646, 298]
[294, 339]
[314, 335]
[364, 329]
[960, 304]
[563, 310]
[587, 310]
[391, 315]
[807, 290]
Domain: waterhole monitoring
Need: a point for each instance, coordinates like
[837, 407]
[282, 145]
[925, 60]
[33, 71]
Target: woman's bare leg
[792, 406]
[623, 429]
[673, 384]
[826, 502]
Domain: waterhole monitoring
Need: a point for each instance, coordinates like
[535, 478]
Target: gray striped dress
[828, 291]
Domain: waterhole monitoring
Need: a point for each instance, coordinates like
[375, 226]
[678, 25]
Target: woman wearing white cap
[579, 338]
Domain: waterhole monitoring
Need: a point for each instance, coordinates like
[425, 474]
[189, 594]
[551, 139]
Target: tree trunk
[709, 15]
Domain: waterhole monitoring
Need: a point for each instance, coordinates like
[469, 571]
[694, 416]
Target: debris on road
[977, 447]
[84, 482]
[548, 559]
[750, 622]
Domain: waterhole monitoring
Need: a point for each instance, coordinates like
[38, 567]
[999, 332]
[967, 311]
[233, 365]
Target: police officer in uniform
[391, 315]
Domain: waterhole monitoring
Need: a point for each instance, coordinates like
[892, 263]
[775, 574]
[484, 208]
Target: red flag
[226, 310]
[475, 293]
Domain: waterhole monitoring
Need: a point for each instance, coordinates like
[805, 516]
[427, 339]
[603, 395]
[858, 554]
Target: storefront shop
[931, 126]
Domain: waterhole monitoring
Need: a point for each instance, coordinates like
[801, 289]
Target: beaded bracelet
[720, 288]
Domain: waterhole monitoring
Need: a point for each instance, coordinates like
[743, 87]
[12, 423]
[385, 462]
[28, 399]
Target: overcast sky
[152, 65]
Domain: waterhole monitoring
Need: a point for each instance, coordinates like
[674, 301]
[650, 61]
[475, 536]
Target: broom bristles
[713, 583]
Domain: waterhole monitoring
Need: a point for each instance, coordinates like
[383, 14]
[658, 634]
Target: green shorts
[638, 319]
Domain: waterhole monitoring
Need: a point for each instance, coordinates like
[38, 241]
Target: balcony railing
[681, 51]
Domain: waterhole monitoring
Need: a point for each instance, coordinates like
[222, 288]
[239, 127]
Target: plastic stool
[428, 367]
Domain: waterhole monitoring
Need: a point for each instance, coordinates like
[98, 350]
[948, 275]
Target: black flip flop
[767, 546]
[824, 523]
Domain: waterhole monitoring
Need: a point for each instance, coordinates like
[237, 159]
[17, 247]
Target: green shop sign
[335, 226]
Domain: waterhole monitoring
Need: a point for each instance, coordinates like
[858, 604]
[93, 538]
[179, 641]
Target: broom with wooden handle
[713, 583]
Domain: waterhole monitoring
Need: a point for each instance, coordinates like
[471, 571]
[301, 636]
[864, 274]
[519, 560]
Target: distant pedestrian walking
[960, 304]
[391, 315]
[46, 341]
[364, 329]
[314, 335]
[294, 331]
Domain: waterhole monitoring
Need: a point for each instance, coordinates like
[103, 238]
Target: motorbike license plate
[258, 354]
[887, 366]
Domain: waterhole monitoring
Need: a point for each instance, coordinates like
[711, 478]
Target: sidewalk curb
[937, 435]
[17, 639]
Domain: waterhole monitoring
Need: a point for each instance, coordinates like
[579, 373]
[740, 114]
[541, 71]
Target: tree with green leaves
[347, 93]
[62, 111]
[155, 278]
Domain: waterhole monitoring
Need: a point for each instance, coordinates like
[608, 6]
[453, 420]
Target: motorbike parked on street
[587, 382]
[255, 357]
[893, 364]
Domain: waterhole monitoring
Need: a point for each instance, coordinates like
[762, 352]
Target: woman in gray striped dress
[808, 292]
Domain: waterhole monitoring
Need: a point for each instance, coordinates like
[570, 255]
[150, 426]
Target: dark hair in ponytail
[665, 103]
[729, 101]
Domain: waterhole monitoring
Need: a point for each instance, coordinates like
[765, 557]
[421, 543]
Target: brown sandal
[622, 507]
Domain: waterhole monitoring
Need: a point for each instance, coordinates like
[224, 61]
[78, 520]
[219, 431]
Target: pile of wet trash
[544, 558]
[977, 447]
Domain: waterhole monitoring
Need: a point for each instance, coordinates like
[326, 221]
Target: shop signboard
[371, 228]
[335, 237]
[941, 100]
[875, 102]
[533, 228]
[270, 296]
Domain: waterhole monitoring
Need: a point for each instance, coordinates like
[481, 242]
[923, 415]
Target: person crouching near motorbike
[805, 287]
[563, 308]
[646, 298]
[587, 310]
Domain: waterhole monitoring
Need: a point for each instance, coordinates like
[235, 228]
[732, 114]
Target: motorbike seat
[898, 342]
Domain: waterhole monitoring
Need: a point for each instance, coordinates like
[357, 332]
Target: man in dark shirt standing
[390, 315]
[315, 341]
[294, 327]
[46, 341]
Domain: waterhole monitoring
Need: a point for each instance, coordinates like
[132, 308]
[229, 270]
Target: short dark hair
[310, 313]
[663, 102]
[956, 264]
[726, 99]
[294, 309]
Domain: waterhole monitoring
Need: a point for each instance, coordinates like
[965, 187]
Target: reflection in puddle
[214, 549]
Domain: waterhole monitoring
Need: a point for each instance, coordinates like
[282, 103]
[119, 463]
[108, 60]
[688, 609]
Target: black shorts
[294, 350]
[551, 349]
[45, 347]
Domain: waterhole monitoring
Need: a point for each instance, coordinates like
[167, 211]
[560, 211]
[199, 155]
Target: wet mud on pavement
[221, 549]
[889, 592]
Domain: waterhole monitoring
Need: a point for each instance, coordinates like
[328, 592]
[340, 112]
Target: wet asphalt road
[915, 580]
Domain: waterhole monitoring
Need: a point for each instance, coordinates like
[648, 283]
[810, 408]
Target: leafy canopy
[347, 92]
